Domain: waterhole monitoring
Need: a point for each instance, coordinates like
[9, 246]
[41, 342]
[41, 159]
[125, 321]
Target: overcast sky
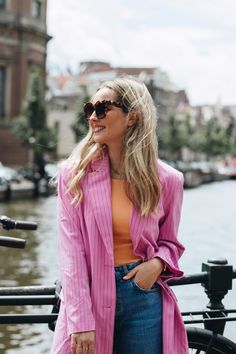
[194, 41]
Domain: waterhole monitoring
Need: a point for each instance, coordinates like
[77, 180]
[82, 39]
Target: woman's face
[111, 129]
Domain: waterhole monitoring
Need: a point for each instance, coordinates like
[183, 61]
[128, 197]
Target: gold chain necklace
[116, 174]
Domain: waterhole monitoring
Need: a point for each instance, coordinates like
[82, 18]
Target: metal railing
[216, 278]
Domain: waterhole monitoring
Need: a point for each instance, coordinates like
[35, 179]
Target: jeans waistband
[123, 269]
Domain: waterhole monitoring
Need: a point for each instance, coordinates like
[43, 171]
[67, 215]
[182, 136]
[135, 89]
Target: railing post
[219, 281]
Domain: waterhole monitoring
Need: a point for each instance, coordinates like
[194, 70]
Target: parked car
[51, 170]
[9, 174]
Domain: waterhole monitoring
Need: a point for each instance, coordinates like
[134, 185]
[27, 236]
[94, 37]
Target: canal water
[208, 229]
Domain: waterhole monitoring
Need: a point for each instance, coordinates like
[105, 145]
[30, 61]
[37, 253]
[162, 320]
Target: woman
[119, 210]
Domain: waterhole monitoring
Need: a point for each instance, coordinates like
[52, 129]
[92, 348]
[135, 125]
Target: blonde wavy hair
[139, 167]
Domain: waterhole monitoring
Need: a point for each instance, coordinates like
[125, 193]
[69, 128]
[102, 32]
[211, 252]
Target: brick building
[23, 41]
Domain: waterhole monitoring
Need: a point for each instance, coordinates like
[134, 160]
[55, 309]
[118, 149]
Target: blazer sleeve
[169, 248]
[73, 267]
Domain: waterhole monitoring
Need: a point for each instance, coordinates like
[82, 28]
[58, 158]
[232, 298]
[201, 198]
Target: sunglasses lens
[100, 110]
[88, 109]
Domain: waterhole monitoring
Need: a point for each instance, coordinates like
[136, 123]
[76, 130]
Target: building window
[2, 4]
[2, 91]
[37, 8]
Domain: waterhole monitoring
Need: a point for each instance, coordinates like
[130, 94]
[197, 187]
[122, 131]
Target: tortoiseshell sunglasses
[101, 108]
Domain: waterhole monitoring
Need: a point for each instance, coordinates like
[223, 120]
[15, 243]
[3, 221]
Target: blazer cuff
[172, 271]
[75, 327]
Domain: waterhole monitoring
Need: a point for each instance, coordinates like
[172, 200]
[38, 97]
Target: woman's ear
[132, 118]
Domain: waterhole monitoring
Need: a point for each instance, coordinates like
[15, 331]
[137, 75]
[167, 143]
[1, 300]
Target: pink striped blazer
[87, 262]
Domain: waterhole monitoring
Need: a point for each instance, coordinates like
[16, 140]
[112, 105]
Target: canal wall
[193, 177]
[25, 190]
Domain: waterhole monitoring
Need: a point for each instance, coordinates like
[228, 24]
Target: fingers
[146, 273]
[131, 274]
[79, 348]
[82, 343]
[85, 349]
[73, 344]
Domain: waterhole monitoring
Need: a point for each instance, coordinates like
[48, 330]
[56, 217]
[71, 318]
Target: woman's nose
[93, 116]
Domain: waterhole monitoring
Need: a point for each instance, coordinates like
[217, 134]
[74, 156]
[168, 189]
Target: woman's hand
[83, 342]
[146, 273]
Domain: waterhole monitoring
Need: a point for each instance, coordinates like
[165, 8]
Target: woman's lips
[98, 129]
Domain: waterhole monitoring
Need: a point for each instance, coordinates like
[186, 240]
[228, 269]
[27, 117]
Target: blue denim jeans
[138, 318]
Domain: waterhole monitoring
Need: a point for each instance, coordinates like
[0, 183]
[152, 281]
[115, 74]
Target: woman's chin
[98, 140]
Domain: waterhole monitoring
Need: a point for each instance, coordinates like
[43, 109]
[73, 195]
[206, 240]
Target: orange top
[121, 214]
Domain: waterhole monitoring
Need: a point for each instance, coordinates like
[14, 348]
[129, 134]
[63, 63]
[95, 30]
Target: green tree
[211, 138]
[80, 127]
[31, 126]
[172, 138]
[233, 144]
[216, 139]
[163, 139]
[196, 141]
[231, 135]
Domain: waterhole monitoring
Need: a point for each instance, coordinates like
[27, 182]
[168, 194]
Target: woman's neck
[115, 163]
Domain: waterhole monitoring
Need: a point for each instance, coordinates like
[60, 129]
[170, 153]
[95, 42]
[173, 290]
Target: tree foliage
[31, 126]
[216, 139]
[80, 127]
[211, 138]
[172, 138]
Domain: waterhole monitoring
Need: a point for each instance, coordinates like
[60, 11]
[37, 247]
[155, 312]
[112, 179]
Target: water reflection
[30, 266]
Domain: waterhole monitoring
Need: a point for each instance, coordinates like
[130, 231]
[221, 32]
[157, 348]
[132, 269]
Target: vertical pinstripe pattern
[87, 264]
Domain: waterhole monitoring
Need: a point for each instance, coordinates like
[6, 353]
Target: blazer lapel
[100, 196]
